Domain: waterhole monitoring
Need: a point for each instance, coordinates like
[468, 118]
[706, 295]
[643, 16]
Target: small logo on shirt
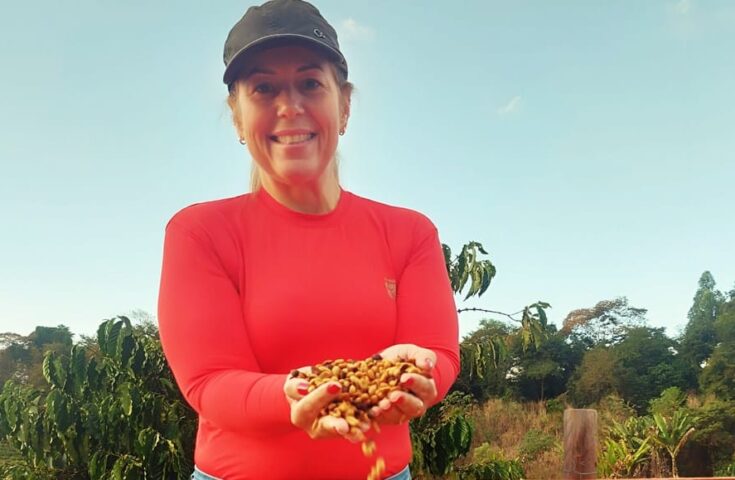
[390, 286]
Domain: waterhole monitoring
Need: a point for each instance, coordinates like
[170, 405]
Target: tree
[718, 376]
[646, 363]
[21, 356]
[484, 361]
[543, 372]
[605, 324]
[672, 433]
[49, 335]
[594, 379]
[713, 443]
[699, 337]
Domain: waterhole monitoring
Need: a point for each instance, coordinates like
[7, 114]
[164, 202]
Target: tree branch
[509, 315]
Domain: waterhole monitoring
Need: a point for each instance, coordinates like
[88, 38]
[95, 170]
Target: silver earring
[242, 141]
[342, 132]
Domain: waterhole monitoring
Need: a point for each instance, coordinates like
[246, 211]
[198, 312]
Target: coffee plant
[111, 412]
[442, 435]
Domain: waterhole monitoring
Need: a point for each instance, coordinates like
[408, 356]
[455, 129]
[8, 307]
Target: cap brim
[239, 60]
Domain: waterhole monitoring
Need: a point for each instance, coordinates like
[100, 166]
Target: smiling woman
[288, 108]
[297, 272]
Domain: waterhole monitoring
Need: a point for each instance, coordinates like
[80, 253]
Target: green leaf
[146, 442]
[118, 468]
[112, 340]
[126, 402]
[47, 370]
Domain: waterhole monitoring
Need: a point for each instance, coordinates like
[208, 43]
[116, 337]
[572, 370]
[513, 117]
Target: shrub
[112, 411]
[534, 442]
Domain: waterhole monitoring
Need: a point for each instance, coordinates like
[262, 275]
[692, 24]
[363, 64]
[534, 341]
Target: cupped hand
[400, 406]
[306, 410]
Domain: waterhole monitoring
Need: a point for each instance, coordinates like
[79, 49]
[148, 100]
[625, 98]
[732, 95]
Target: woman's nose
[289, 103]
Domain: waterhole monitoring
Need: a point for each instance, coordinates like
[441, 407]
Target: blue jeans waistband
[404, 474]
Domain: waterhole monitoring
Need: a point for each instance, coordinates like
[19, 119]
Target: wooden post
[580, 444]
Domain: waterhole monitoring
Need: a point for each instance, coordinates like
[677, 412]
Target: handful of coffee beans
[364, 384]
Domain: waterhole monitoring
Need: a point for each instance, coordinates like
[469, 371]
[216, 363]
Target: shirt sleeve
[426, 310]
[205, 340]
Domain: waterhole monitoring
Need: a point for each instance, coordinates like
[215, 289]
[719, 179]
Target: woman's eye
[263, 88]
[311, 84]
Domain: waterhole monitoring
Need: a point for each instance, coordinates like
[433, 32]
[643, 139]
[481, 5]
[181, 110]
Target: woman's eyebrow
[265, 71]
[310, 66]
[257, 70]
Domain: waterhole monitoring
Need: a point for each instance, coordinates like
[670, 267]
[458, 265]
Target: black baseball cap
[275, 23]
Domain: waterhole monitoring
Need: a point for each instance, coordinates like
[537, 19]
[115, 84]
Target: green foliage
[672, 433]
[645, 364]
[535, 442]
[484, 361]
[21, 356]
[543, 372]
[442, 435]
[111, 412]
[47, 335]
[700, 337]
[594, 379]
[726, 470]
[533, 330]
[718, 376]
[670, 400]
[633, 447]
[556, 405]
[492, 470]
[620, 459]
[468, 267]
[628, 449]
[488, 463]
[714, 439]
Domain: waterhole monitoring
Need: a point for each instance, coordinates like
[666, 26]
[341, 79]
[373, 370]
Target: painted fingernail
[303, 390]
[334, 389]
[408, 382]
[398, 399]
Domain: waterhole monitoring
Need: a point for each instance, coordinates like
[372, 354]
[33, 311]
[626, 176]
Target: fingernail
[303, 390]
[408, 382]
[398, 399]
[334, 389]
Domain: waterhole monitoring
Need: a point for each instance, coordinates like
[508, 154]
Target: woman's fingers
[295, 388]
[305, 412]
[424, 388]
[425, 358]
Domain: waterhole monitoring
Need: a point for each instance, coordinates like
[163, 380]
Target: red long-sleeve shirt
[251, 290]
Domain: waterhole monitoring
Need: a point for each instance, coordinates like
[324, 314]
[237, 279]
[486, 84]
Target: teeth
[289, 139]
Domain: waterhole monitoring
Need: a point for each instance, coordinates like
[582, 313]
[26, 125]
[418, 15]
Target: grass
[521, 431]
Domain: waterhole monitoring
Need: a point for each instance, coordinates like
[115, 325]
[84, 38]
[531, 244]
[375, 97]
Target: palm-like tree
[672, 433]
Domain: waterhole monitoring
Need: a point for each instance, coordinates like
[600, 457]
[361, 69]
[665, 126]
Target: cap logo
[318, 33]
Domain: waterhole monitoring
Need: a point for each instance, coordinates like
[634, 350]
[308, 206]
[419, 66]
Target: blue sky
[588, 145]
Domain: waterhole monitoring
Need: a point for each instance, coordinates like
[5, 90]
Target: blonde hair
[345, 89]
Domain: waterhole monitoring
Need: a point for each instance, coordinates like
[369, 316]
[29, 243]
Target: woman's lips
[293, 139]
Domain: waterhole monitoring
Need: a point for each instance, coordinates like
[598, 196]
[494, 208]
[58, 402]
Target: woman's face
[289, 110]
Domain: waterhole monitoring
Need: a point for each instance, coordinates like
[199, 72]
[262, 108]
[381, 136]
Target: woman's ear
[235, 111]
[345, 104]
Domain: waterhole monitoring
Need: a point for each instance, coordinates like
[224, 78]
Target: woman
[297, 272]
